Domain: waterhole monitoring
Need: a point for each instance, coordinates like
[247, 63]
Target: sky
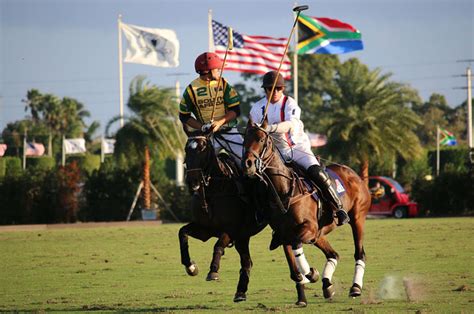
[70, 48]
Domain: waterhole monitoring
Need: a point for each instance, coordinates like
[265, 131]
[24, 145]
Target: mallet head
[300, 8]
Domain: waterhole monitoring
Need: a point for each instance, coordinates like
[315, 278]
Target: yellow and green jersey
[199, 97]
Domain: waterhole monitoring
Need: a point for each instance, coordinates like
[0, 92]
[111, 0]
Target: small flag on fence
[151, 46]
[326, 36]
[317, 140]
[251, 54]
[74, 146]
[447, 138]
[3, 149]
[34, 149]
[108, 145]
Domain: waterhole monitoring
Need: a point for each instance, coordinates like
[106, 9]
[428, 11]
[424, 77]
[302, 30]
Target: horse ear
[250, 122]
[265, 122]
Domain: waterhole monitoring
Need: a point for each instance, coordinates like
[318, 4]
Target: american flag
[251, 54]
[3, 149]
[317, 140]
[34, 149]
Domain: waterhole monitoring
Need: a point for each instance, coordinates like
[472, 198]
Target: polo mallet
[297, 9]
[230, 46]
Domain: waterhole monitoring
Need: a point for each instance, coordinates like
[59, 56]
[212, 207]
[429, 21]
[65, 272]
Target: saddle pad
[309, 185]
[337, 182]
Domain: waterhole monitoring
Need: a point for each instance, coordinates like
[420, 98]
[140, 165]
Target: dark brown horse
[219, 210]
[292, 211]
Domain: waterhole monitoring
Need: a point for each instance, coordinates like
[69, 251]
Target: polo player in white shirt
[287, 130]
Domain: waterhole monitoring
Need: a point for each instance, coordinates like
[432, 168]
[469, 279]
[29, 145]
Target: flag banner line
[3, 149]
[317, 140]
[448, 138]
[251, 54]
[34, 149]
[326, 36]
[108, 146]
[74, 146]
[151, 46]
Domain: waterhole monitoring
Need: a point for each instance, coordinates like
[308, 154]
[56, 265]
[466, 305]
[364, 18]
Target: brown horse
[219, 210]
[293, 212]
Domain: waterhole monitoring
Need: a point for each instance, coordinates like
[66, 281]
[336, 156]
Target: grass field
[424, 265]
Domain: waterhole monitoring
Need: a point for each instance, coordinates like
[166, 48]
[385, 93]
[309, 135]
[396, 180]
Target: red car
[389, 198]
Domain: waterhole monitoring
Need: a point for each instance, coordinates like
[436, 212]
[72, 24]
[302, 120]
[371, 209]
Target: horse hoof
[212, 276]
[313, 276]
[328, 289]
[240, 296]
[301, 304]
[192, 270]
[355, 291]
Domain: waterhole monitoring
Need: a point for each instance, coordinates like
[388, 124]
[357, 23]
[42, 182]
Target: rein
[262, 163]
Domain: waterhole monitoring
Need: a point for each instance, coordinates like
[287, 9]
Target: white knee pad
[329, 268]
[359, 272]
[301, 262]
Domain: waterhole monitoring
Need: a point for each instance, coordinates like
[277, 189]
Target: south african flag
[326, 36]
[447, 138]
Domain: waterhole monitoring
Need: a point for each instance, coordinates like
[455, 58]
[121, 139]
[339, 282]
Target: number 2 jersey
[199, 96]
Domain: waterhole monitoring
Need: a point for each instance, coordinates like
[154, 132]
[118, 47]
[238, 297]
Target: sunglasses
[277, 88]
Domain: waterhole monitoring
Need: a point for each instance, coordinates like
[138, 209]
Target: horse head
[258, 148]
[198, 159]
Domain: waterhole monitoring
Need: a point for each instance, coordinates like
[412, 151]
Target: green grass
[138, 269]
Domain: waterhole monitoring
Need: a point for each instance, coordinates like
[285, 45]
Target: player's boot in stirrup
[321, 178]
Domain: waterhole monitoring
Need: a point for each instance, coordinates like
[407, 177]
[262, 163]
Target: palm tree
[153, 123]
[369, 117]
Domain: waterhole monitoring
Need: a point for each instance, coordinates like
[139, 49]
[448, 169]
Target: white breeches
[233, 144]
[301, 155]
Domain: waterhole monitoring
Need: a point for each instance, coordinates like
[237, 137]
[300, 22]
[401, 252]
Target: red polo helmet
[207, 61]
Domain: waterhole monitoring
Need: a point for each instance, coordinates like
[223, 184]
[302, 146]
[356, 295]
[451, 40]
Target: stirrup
[342, 217]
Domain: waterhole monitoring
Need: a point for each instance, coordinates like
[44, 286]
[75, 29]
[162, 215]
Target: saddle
[229, 168]
[311, 187]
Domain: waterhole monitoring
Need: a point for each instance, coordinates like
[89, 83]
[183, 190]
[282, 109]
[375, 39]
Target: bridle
[203, 173]
[265, 157]
[263, 161]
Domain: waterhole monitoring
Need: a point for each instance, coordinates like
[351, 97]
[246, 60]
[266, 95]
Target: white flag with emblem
[74, 145]
[152, 46]
[108, 145]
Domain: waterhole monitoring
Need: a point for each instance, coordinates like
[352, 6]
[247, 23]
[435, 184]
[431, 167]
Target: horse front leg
[311, 274]
[219, 248]
[329, 268]
[242, 247]
[194, 231]
[357, 224]
[296, 276]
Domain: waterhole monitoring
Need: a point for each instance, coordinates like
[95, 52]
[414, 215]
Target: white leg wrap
[329, 268]
[301, 262]
[359, 272]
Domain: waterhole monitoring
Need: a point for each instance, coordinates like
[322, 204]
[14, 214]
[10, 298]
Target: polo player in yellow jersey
[196, 106]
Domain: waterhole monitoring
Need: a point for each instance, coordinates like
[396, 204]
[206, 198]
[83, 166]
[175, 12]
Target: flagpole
[437, 150]
[119, 24]
[295, 63]
[469, 108]
[63, 157]
[102, 157]
[209, 29]
[24, 150]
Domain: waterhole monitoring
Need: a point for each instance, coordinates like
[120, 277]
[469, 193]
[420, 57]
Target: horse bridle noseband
[261, 160]
[204, 178]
